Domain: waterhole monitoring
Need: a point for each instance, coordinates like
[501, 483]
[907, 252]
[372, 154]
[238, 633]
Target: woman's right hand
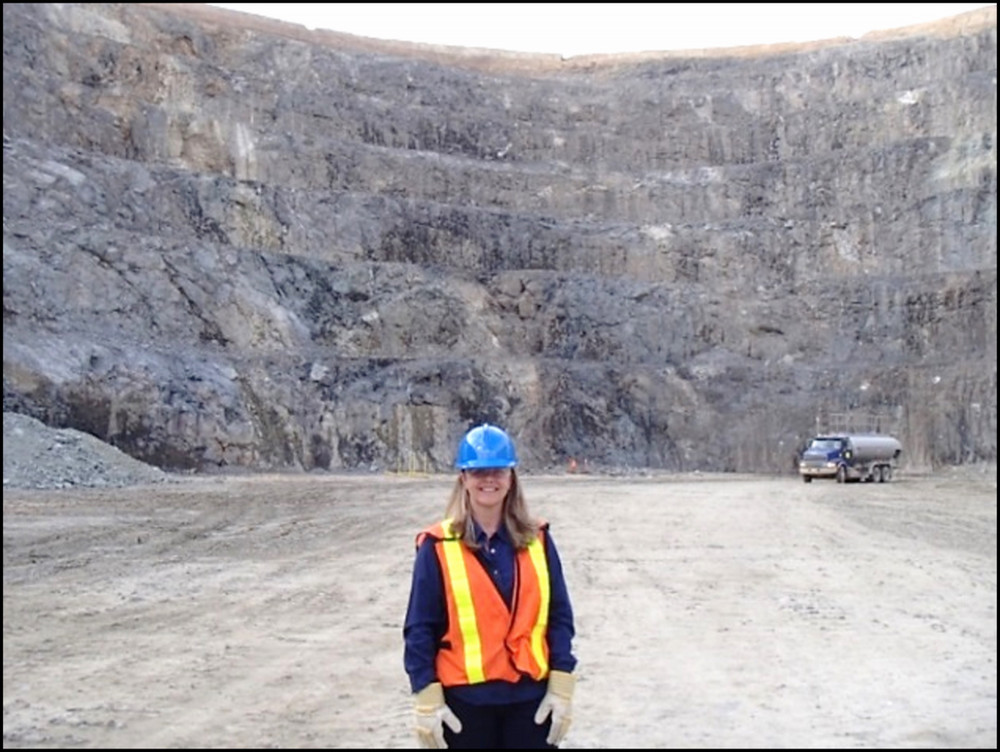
[431, 715]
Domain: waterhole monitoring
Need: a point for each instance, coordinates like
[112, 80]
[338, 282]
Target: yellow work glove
[558, 701]
[431, 715]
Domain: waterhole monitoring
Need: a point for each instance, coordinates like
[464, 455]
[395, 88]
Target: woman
[489, 626]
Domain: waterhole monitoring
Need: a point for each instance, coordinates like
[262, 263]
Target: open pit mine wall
[231, 242]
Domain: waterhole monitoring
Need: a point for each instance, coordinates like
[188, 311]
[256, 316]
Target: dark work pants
[498, 726]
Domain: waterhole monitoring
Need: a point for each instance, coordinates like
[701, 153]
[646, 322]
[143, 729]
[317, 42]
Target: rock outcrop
[232, 242]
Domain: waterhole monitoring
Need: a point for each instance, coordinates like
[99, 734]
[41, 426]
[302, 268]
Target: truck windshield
[824, 444]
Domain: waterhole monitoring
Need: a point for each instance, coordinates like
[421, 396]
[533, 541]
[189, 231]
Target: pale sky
[591, 28]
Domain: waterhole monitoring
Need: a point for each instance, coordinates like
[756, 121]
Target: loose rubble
[37, 456]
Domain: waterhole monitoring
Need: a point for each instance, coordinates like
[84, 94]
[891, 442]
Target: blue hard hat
[486, 446]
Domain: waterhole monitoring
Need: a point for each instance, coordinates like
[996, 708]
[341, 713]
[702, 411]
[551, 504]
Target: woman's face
[487, 487]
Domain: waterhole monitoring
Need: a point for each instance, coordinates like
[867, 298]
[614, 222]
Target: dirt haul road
[714, 611]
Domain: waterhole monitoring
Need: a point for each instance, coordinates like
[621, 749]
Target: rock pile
[37, 456]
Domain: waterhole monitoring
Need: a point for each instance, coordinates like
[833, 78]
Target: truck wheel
[807, 479]
[841, 474]
[886, 474]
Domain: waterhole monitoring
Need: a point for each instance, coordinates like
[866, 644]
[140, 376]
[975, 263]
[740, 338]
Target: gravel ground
[712, 612]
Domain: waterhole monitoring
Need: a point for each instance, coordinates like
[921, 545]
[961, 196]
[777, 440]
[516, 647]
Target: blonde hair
[521, 526]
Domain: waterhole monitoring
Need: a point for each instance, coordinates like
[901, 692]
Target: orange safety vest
[485, 640]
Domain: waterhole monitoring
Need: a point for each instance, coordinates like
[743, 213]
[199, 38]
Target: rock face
[232, 242]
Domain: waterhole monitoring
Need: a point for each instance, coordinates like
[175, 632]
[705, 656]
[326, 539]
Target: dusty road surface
[712, 611]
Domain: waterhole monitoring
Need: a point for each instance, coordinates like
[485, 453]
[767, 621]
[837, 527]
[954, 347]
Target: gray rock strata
[234, 243]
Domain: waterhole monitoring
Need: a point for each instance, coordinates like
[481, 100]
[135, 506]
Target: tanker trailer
[848, 457]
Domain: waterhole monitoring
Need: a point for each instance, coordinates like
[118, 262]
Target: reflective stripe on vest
[537, 553]
[508, 645]
[466, 610]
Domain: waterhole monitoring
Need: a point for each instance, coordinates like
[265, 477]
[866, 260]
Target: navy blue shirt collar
[483, 539]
